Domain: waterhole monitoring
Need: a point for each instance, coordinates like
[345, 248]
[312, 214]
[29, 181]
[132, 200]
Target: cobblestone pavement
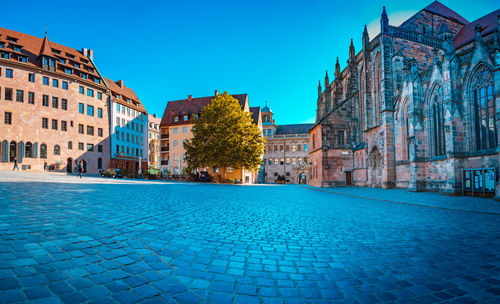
[128, 242]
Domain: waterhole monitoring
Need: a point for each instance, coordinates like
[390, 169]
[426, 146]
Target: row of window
[176, 130]
[31, 98]
[287, 148]
[90, 110]
[127, 110]
[286, 161]
[184, 117]
[123, 123]
[13, 150]
[128, 137]
[90, 130]
[175, 143]
[46, 81]
[51, 62]
[129, 151]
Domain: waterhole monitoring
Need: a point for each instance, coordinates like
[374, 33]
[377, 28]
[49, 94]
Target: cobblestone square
[106, 241]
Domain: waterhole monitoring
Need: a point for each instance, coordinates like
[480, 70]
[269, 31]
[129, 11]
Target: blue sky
[272, 50]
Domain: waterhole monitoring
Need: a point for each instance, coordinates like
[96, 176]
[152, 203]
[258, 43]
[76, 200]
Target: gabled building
[416, 108]
[175, 129]
[129, 129]
[53, 106]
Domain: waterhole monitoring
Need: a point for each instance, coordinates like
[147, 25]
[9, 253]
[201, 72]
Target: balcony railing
[164, 136]
[165, 149]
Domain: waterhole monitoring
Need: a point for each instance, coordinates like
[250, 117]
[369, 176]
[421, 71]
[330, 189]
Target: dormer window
[52, 62]
[185, 117]
[83, 75]
[56, 51]
[117, 96]
[62, 60]
[2, 45]
[77, 65]
[22, 59]
[4, 55]
[12, 39]
[97, 80]
[68, 71]
[84, 60]
[70, 56]
[176, 118]
[18, 49]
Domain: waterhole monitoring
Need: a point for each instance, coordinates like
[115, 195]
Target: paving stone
[287, 245]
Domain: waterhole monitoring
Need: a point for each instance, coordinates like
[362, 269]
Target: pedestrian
[15, 165]
[44, 165]
[80, 169]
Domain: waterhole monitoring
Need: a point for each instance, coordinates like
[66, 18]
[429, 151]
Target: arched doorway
[69, 165]
[375, 164]
[12, 151]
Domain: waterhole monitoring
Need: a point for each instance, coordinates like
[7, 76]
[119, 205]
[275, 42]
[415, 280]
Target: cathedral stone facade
[418, 105]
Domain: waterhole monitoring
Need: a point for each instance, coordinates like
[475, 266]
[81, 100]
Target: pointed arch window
[405, 123]
[484, 109]
[43, 151]
[437, 118]
[377, 84]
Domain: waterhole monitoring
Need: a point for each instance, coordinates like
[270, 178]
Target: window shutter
[5, 151]
[20, 151]
[35, 150]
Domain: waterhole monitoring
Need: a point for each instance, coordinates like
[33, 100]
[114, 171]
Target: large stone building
[53, 106]
[129, 129]
[414, 108]
[57, 109]
[154, 141]
[286, 157]
[175, 129]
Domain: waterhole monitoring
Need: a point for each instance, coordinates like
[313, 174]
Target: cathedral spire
[319, 88]
[352, 53]
[327, 81]
[366, 40]
[384, 21]
[337, 68]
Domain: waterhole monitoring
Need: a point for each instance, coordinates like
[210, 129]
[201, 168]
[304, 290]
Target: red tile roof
[488, 25]
[294, 129]
[440, 9]
[125, 93]
[33, 47]
[188, 107]
[46, 48]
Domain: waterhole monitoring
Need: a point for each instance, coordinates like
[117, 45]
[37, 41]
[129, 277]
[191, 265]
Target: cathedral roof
[438, 8]
[294, 129]
[488, 24]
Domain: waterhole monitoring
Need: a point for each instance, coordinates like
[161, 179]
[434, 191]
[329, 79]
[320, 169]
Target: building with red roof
[175, 128]
[56, 107]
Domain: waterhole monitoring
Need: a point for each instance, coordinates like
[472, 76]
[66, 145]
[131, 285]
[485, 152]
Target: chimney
[91, 54]
[190, 97]
[85, 52]
[154, 115]
[216, 92]
[120, 83]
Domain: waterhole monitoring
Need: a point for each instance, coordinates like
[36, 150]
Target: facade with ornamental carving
[416, 108]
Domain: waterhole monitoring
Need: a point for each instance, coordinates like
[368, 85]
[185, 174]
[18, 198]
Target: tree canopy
[224, 137]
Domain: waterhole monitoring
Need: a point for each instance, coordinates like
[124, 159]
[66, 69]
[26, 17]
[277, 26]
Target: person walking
[15, 165]
[80, 169]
